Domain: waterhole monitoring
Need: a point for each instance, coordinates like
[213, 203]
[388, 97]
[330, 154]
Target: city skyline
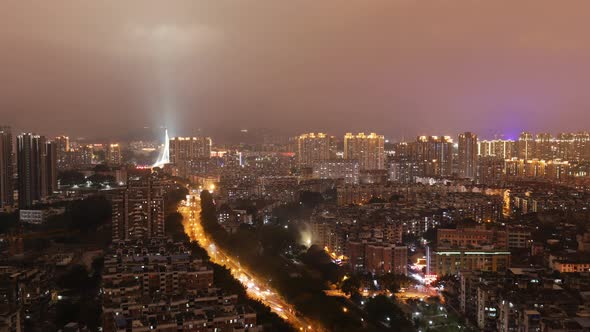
[251, 135]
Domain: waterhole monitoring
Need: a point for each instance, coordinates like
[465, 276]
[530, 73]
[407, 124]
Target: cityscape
[294, 166]
[312, 232]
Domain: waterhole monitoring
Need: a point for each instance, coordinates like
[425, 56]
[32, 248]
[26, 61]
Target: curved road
[255, 287]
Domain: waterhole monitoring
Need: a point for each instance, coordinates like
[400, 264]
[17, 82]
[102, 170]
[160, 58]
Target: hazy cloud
[401, 67]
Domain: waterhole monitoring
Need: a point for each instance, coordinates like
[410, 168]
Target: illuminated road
[255, 288]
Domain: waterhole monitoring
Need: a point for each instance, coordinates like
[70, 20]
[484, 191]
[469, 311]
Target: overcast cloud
[399, 67]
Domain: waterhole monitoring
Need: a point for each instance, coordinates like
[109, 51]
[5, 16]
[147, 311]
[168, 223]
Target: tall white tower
[164, 157]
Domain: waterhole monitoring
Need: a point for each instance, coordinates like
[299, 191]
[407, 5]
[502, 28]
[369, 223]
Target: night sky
[398, 67]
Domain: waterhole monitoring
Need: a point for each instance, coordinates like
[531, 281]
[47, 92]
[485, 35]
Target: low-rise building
[450, 261]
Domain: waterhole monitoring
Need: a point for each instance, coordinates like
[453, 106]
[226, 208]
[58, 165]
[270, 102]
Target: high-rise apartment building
[514, 168]
[544, 147]
[189, 148]
[138, 210]
[29, 154]
[62, 147]
[80, 155]
[436, 154]
[367, 149]
[113, 154]
[403, 167]
[49, 160]
[499, 148]
[581, 146]
[467, 154]
[525, 146]
[564, 144]
[86, 153]
[490, 170]
[315, 147]
[6, 172]
[37, 169]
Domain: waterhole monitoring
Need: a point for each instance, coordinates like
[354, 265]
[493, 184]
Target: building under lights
[436, 155]
[525, 146]
[184, 149]
[62, 149]
[157, 285]
[467, 154]
[504, 149]
[37, 173]
[367, 149]
[314, 147]
[335, 169]
[6, 171]
[113, 154]
[138, 210]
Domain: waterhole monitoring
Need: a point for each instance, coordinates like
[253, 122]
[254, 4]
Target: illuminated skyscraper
[49, 168]
[6, 172]
[525, 146]
[367, 149]
[490, 170]
[504, 149]
[113, 154]
[62, 146]
[581, 146]
[404, 166]
[29, 149]
[564, 144]
[86, 154]
[315, 147]
[189, 148]
[544, 144]
[468, 155]
[557, 170]
[514, 168]
[138, 210]
[435, 153]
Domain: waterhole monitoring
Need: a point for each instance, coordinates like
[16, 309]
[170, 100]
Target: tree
[88, 214]
[393, 282]
[70, 178]
[275, 238]
[310, 198]
[66, 311]
[395, 198]
[174, 228]
[8, 221]
[376, 200]
[430, 235]
[382, 309]
[101, 168]
[76, 278]
[101, 178]
[197, 251]
[175, 196]
[351, 285]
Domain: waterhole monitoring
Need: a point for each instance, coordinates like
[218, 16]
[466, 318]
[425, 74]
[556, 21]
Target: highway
[255, 287]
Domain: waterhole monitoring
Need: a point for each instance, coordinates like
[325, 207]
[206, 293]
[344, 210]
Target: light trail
[255, 287]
